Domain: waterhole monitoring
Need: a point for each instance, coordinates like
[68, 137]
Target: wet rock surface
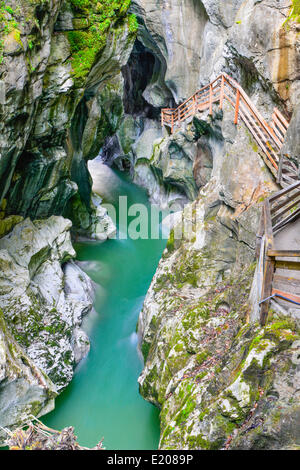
[44, 303]
[65, 99]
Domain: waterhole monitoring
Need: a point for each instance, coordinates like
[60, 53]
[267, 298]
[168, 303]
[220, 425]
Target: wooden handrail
[279, 210]
[269, 137]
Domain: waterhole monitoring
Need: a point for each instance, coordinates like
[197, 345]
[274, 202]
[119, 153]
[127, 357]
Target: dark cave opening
[137, 74]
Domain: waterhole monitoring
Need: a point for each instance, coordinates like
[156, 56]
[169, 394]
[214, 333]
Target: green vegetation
[294, 15]
[87, 42]
[8, 25]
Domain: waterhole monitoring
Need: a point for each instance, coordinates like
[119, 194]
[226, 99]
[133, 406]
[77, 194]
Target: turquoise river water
[103, 399]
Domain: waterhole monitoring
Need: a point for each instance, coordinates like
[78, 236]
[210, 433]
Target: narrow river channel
[103, 399]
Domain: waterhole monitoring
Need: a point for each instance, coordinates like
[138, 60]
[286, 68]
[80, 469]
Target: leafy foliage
[87, 43]
[294, 15]
[8, 24]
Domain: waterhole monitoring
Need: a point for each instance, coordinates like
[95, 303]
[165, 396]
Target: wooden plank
[268, 226]
[283, 192]
[278, 123]
[194, 105]
[286, 201]
[286, 209]
[288, 295]
[237, 107]
[222, 92]
[289, 279]
[289, 265]
[260, 233]
[284, 253]
[279, 174]
[288, 179]
[281, 117]
[267, 289]
[210, 100]
[279, 135]
[285, 221]
[289, 163]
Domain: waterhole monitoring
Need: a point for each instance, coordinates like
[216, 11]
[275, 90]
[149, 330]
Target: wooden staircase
[278, 267]
[288, 172]
[269, 137]
[278, 262]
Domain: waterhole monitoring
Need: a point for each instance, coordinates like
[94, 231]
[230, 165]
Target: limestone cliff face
[25, 390]
[42, 308]
[77, 80]
[187, 44]
[64, 97]
[247, 39]
[220, 381]
[44, 304]
[56, 59]
[50, 97]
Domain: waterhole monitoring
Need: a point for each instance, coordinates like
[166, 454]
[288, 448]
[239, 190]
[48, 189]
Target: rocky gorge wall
[189, 43]
[56, 59]
[220, 380]
[81, 79]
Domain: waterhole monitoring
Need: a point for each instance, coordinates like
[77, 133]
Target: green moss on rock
[88, 42]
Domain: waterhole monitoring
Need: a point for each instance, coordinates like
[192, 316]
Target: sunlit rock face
[253, 41]
[44, 303]
[175, 30]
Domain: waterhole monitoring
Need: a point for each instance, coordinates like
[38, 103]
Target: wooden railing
[288, 171]
[281, 208]
[269, 137]
[278, 211]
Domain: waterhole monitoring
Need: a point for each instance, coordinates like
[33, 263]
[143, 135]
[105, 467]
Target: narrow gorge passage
[103, 399]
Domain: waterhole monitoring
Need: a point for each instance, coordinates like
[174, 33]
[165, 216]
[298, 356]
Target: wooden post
[237, 107]
[210, 99]
[195, 104]
[222, 92]
[267, 289]
[269, 265]
[162, 118]
[268, 226]
[260, 233]
[172, 121]
[279, 174]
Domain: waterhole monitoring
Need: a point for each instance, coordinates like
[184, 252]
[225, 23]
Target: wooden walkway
[269, 137]
[277, 267]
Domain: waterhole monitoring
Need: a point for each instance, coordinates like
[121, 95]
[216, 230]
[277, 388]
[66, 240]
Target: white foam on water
[105, 182]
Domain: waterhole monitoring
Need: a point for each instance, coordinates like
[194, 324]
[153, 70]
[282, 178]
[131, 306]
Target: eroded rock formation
[85, 79]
